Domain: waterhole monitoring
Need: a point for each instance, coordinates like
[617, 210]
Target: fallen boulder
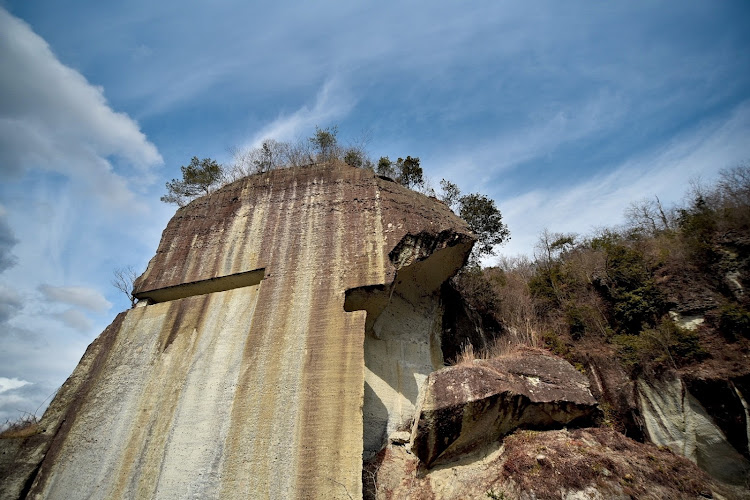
[465, 407]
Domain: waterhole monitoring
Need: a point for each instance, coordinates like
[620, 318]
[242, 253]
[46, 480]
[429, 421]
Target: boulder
[466, 406]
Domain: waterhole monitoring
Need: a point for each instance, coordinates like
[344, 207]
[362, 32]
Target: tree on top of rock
[199, 178]
[406, 172]
[483, 217]
[325, 143]
[485, 220]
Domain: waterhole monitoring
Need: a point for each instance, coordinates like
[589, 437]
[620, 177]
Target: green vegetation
[198, 178]
[481, 214]
[666, 344]
[612, 292]
[201, 177]
[496, 495]
[734, 322]
[485, 221]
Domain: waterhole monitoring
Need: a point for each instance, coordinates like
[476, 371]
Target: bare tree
[298, 153]
[123, 280]
[734, 185]
[649, 216]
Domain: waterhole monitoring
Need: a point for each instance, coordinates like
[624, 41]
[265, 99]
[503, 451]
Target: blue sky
[563, 112]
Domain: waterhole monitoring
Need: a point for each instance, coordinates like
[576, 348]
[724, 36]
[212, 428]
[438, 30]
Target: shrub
[26, 426]
[630, 349]
[683, 343]
[477, 287]
[734, 321]
[666, 344]
[639, 306]
[554, 343]
[698, 224]
[574, 316]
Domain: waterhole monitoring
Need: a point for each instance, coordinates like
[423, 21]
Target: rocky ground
[587, 463]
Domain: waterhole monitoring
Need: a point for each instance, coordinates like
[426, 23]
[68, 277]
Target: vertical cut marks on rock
[253, 391]
[675, 418]
[155, 422]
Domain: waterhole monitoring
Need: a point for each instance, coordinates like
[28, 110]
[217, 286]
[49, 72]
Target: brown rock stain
[293, 427]
[142, 456]
[97, 354]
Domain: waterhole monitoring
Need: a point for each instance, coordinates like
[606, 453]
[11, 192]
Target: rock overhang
[194, 243]
[249, 325]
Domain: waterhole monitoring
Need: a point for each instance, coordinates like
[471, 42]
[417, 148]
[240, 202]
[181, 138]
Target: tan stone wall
[254, 392]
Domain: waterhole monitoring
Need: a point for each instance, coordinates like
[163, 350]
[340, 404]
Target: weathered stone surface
[587, 464]
[615, 390]
[466, 406]
[675, 418]
[724, 402]
[255, 388]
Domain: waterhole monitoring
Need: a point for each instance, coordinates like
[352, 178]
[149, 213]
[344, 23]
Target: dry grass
[500, 348]
[25, 426]
[548, 465]
[602, 458]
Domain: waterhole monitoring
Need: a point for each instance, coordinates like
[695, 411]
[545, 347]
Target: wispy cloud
[88, 298]
[548, 130]
[602, 199]
[7, 241]
[51, 118]
[7, 384]
[10, 303]
[75, 319]
[20, 398]
[332, 102]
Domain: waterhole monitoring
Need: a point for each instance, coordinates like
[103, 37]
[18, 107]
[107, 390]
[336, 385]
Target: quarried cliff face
[276, 313]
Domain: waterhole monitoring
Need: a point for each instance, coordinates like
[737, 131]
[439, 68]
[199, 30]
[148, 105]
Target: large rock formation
[290, 320]
[465, 407]
[674, 417]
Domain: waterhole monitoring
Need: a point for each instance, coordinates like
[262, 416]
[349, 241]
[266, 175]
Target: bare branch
[123, 280]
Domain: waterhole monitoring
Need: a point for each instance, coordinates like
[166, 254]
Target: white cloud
[88, 298]
[601, 200]
[75, 319]
[52, 118]
[331, 102]
[7, 384]
[20, 398]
